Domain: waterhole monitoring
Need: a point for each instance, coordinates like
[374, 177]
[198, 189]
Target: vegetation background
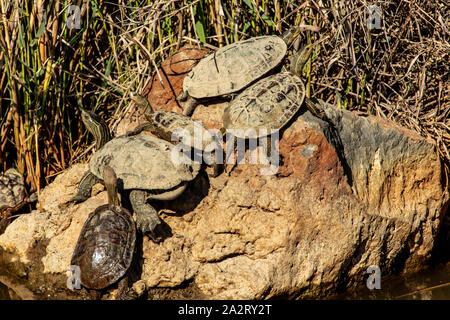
[399, 71]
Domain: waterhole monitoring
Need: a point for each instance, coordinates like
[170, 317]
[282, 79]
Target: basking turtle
[268, 105]
[146, 166]
[234, 67]
[174, 127]
[105, 246]
[12, 188]
[12, 195]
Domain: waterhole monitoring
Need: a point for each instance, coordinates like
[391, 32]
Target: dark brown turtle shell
[105, 246]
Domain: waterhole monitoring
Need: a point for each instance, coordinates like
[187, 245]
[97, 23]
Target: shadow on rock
[191, 197]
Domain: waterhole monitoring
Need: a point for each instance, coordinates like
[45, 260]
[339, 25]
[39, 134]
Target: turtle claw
[153, 227]
[129, 294]
[161, 232]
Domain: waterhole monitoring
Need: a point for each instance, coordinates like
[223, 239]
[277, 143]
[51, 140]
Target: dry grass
[400, 71]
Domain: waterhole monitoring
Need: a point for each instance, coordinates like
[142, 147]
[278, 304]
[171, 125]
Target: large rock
[356, 193]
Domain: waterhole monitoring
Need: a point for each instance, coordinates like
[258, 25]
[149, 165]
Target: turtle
[269, 104]
[106, 243]
[175, 127]
[12, 195]
[147, 167]
[12, 188]
[234, 67]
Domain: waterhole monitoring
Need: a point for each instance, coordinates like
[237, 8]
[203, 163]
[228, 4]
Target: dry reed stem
[399, 72]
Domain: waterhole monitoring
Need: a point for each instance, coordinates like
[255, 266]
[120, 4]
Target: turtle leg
[228, 155]
[190, 103]
[216, 169]
[125, 292]
[189, 106]
[272, 156]
[268, 147]
[147, 218]
[182, 96]
[85, 187]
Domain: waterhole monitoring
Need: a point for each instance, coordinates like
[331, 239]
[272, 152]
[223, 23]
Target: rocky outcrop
[310, 230]
[350, 193]
[165, 85]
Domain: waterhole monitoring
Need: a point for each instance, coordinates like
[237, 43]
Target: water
[433, 284]
[4, 292]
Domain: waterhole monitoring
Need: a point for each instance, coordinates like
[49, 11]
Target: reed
[399, 71]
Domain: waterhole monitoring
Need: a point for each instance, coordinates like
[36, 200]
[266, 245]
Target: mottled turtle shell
[235, 66]
[144, 162]
[105, 246]
[12, 188]
[265, 106]
[176, 126]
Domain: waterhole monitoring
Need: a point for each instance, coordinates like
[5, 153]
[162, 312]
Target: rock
[162, 96]
[349, 195]
[39, 245]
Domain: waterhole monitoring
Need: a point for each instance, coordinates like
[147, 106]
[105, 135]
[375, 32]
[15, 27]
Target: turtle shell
[265, 107]
[105, 246]
[235, 66]
[176, 126]
[12, 188]
[144, 162]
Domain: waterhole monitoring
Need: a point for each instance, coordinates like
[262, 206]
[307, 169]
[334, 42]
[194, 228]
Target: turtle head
[290, 35]
[300, 59]
[110, 180]
[141, 102]
[96, 126]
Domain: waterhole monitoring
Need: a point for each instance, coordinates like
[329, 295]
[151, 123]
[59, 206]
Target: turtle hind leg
[229, 152]
[125, 291]
[182, 96]
[189, 106]
[147, 218]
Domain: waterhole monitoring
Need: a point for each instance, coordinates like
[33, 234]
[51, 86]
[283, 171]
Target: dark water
[433, 284]
[4, 292]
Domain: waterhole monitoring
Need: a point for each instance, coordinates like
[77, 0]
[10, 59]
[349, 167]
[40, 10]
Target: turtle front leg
[85, 187]
[189, 106]
[125, 292]
[231, 150]
[147, 218]
[267, 145]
